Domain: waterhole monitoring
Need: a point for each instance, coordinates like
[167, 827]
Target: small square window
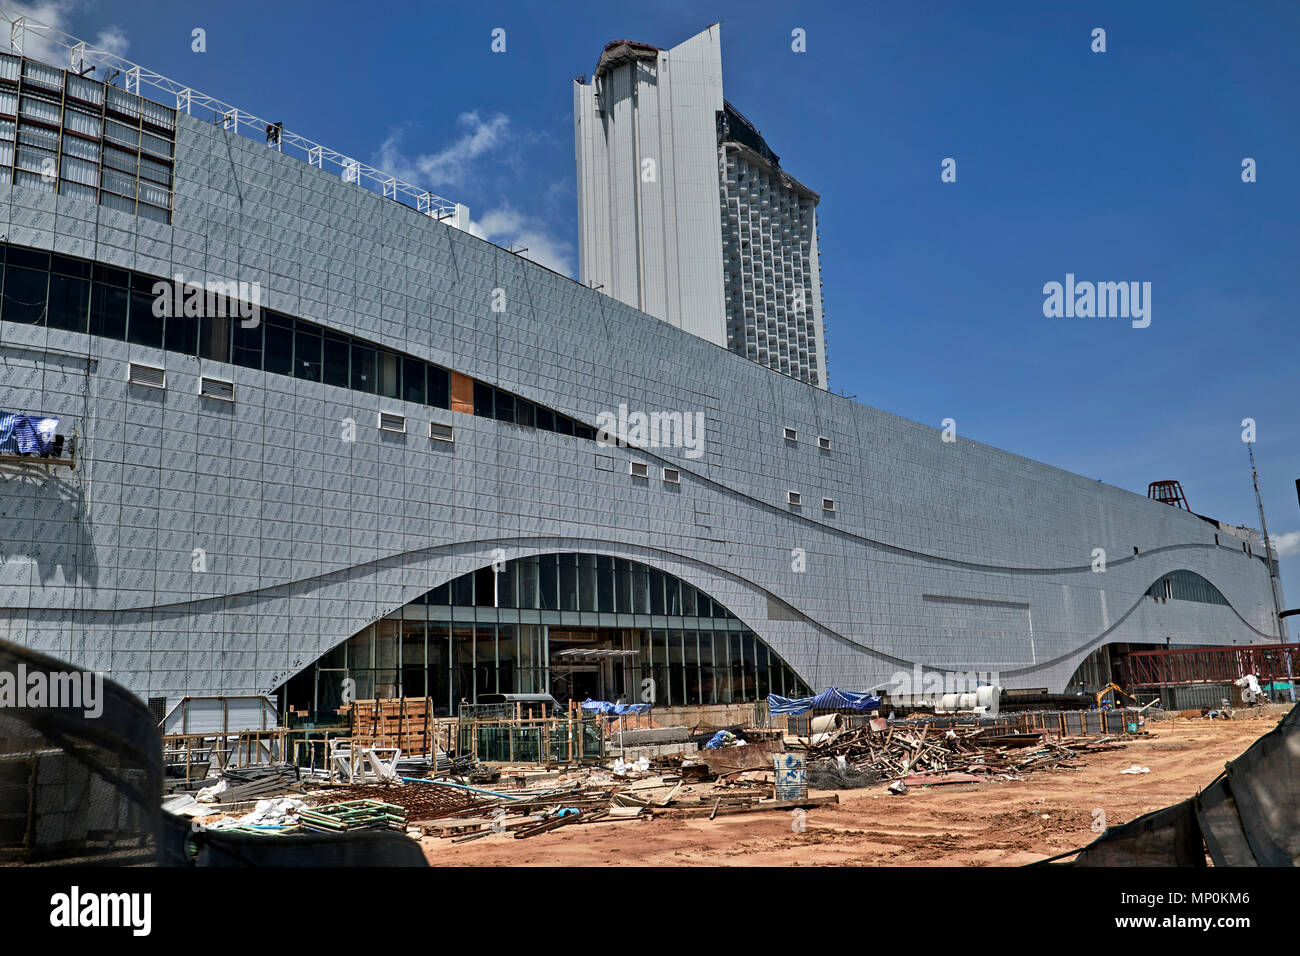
[672, 476]
[823, 443]
[392, 423]
[828, 504]
[791, 434]
[638, 469]
[793, 497]
[440, 432]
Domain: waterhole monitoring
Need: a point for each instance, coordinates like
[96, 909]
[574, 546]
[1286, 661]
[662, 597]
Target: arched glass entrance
[574, 625]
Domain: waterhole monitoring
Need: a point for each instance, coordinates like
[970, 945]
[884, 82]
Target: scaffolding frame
[83, 57]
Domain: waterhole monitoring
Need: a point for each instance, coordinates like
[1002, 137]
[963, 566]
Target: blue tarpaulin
[831, 699]
[605, 707]
[26, 434]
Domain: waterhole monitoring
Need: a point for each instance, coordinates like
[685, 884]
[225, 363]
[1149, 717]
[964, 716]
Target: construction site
[984, 779]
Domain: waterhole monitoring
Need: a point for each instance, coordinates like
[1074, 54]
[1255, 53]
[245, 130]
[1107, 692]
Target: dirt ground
[983, 824]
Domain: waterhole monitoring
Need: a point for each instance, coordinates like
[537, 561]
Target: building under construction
[372, 458]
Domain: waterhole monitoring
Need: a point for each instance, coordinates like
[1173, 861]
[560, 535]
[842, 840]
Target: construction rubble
[702, 772]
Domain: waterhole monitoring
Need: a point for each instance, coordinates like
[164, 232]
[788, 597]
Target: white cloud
[507, 226]
[480, 143]
[1287, 544]
[56, 13]
[450, 166]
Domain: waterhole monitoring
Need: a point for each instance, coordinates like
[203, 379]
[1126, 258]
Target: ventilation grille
[389, 422]
[147, 375]
[823, 443]
[791, 435]
[828, 504]
[216, 388]
[793, 497]
[672, 476]
[442, 432]
[638, 469]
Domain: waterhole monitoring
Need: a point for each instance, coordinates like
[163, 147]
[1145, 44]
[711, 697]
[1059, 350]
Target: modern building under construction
[275, 425]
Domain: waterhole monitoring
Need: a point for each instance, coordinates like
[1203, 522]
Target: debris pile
[353, 815]
[920, 754]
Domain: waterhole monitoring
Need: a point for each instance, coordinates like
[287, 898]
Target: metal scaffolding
[83, 57]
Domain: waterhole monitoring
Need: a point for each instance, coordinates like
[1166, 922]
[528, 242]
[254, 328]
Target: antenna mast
[1268, 548]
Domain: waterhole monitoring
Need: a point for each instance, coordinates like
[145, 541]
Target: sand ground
[984, 824]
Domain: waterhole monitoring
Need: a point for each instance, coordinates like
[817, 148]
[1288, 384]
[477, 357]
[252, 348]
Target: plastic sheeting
[26, 434]
[831, 699]
[608, 709]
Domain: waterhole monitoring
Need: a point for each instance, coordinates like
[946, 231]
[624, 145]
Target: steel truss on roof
[82, 55]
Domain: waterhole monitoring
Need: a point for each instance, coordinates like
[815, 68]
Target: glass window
[587, 582]
[26, 284]
[413, 683]
[505, 407]
[183, 334]
[440, 596]
[307, 352]
[527, 569]
[623, 586]
[485, 660]
[363, 367]
[278, 344]
[691, 660]
[485, 587]
[108, 302]
[69, 302]
[462, 591]
[703, 604]
[563, 425]
[214, 338]
[584, 431]
[656, 592]
[439, 386]
[640, 589]
[413, 380]
[483, 403]
[390, 374]
[545, 419]
[506, 579]
[688, 600]
[335, 360]
[247, 345]
[548, 581]
[439, 677]
[672, 598]
[143, 327]
[568, 582]
[462, 647]
[605, 585]
[524, 412]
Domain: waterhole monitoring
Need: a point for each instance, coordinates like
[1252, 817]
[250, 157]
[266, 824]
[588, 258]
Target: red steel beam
[1210, 665]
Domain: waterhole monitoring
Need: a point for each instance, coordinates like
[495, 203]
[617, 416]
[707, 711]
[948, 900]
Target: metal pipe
[461, 786]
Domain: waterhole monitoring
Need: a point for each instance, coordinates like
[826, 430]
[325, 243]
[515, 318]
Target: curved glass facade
[1186, 585]
[573, 625]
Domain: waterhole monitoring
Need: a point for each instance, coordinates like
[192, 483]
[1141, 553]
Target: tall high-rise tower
[685, 213]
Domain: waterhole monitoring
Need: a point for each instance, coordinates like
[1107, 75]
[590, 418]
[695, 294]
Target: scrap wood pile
[913, 753]
[242, 784]
[597, 798]
[418, 800]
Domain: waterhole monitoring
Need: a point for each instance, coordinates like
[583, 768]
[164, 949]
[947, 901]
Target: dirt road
[983, 824]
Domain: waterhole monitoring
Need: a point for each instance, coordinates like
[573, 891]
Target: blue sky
[1115, 166]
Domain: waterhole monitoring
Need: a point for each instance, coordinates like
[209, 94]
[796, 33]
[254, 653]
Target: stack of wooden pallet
[407, 723]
